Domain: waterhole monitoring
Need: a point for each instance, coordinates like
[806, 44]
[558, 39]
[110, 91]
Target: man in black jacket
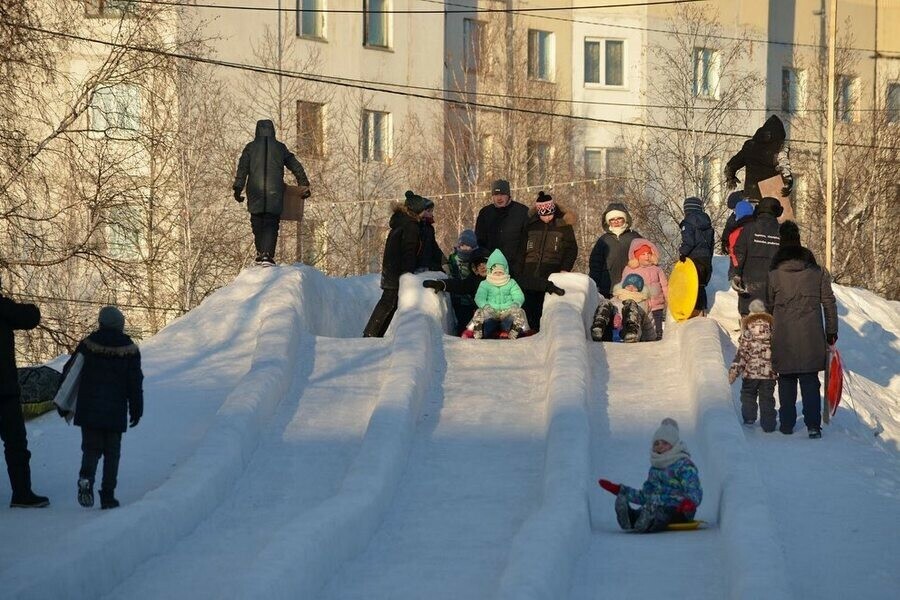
[501, 224]
[15, 316]
[261, 169]
[763, 156]
[754, 249]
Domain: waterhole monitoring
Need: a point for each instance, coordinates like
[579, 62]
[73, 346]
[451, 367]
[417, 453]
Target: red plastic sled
[834, 380]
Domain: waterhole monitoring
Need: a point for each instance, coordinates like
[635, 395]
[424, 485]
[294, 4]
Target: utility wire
[53, 299]
[324, 79]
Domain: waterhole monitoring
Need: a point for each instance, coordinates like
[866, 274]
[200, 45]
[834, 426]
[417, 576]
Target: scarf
[676, 453]
[617, 231]
[497, 279]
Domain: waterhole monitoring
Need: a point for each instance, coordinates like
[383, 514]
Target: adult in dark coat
[697, 241]
[610, 253]
[548, 246]
[261, 169]
[463, 288]
[754, 249]
[401, 253]
[15, 316]
[501, 224]
[763, 156]
[431, 257]
[799, 293]
[110, 390]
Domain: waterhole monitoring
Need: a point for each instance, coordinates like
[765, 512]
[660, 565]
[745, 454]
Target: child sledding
[499, 300]
[672, 492]
[628, 312]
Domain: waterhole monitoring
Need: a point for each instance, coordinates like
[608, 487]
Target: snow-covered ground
[282, 456]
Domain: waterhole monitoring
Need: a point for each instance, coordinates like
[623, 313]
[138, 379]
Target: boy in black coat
[753, 251]
[15, 316]
[697, 241]
[110, 389]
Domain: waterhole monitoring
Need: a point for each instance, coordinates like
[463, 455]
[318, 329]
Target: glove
[62, 413]
[435, 284]
[737, 284]
[134, 421]
[682, 258]
[732, 182]
[687, 507]
[552, 288]
[304, 192]
[609, 486]
[788, 185]
[237, 195]
[831, 338]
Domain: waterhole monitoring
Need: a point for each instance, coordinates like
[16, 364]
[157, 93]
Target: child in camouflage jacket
[753, 362]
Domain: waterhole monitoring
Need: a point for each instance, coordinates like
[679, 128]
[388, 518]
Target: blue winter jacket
[697, 236]
[669, 486]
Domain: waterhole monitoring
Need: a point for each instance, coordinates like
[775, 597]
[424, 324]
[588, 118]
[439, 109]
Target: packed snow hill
[283, 456]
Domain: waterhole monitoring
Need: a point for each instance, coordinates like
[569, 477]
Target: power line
[56, 300]
[324, 79]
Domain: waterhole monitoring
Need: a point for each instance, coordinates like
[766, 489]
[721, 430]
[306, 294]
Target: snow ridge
[546, 548]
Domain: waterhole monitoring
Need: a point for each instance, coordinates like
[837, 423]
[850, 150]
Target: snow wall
[94, 558]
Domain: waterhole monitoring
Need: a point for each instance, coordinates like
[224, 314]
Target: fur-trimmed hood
[398, 208]
[637, 243]
[107, 342]
[563, 213]
[616, 206]
[803, 257]
[751, 321]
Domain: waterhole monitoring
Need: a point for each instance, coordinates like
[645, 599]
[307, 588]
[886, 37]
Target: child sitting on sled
[643, 259]
[499, 298]
[671, 493]
[629, 311]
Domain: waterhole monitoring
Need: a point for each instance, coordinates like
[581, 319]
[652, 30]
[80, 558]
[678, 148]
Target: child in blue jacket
[672, 491]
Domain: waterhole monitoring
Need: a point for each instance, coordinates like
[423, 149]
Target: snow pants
[649, 518]
[659, 315]
[382, 314]
[265, 233]
[534, 307]
[511, 319]
[764, 390]
[94, 444]
[15, 444]
[787, 398]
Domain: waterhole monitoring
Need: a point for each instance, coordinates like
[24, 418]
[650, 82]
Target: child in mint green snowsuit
[672, 491]
[499, 297]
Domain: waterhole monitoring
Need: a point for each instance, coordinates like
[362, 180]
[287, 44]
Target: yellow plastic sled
[683, 287]
[686, 526]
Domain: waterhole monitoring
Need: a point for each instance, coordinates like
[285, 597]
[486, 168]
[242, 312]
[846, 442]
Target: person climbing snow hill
[672, 491]
[763, 156]
[753, 362]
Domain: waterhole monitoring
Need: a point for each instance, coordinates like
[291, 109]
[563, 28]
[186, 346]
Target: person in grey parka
[261, 169]
[799, 292]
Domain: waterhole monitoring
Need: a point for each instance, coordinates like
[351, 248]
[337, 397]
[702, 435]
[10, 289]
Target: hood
[497, 258]
[800, 258]
[759, 324]
[770, 206]
[399, 212]
[615, 206]
[771, 131]
[637, 243]
[265, 128]
[109, 342]
[563, 213]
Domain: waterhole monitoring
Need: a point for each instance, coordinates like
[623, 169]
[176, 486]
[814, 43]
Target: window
[115, 111]
[604, 62]
[709, 187]
[540, 55]
[473, 38]
[706, 73]
[791, 90]
[538, 162]
[376, 136]
[123, 231]
[107, 8]
[376, 23]
[310, 130]
[310, 19]
[893, 103]
[846, 98]
[608, 166]
[593, 163]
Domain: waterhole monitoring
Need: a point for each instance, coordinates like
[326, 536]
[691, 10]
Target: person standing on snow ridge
[261, 169]
[672, 491]
[799, 293]
[15, 316]
[697, 241]
[501, 224]
[763, 156]
[755, 246]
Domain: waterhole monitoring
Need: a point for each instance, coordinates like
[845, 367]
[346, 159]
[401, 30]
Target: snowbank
[546, 548]
[753, 556]
[95, 557]
[299, 560]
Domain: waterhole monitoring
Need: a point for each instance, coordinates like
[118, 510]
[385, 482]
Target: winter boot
[631, 322]
[602, 316]
[623, 512]
[108, 500]
[815, 433]
[467, 334]
[652, 518]
[29, 500]
[85, 492]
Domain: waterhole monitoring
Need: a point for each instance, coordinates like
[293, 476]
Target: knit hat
[769, 205]
[111, 317]
[743, 209]
[544, 204]
[693, 203]
[790, 234]
[416, 203]
[757, 306]
[642, 249]
[635, 280]
[501, 186]
[668, 431]
[733, 198]
[613, 214]
[467, 238]
[478, 257]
